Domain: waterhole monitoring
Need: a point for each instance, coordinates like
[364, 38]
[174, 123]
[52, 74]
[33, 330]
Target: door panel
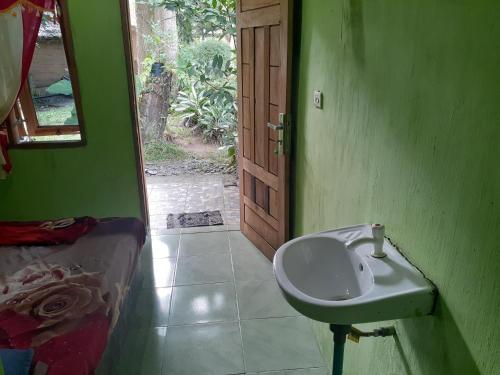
[256, 4]
[264, 60]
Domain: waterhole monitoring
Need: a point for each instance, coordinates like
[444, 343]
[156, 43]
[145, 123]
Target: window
[48, 109]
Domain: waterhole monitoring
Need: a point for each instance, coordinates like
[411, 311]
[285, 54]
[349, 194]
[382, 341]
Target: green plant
[198, 19]
[196, 59]
[163, 151]
[209, 102]
[191, 104]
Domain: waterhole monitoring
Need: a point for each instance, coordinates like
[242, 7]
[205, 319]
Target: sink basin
[323, 280]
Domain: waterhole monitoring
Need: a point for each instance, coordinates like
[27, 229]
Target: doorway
[184, 62]
[181, 75]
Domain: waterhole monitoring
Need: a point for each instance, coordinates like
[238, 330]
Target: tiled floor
[211, 306]
[179, 194]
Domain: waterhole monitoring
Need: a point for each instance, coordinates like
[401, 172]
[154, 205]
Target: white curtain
[11, 47]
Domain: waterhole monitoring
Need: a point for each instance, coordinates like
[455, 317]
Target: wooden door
[264, 75]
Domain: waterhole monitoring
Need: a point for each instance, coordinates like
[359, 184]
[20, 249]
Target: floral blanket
[64, 300]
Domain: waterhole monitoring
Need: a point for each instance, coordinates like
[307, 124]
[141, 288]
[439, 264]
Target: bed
[62, 289]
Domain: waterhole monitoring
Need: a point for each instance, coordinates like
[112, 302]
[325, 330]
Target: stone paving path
[179, 194]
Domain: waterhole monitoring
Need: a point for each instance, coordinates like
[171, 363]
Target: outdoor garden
[186, 85]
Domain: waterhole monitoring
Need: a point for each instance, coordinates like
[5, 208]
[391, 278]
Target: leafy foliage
[207, 96]
[197, 19]
[199, 55]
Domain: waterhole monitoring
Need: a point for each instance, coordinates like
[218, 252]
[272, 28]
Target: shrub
[200, 55]
[163, 151]
[208, 89]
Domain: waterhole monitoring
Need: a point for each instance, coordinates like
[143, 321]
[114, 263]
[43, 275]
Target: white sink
[325, 281]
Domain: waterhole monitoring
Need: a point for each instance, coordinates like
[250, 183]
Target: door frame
[136, 133]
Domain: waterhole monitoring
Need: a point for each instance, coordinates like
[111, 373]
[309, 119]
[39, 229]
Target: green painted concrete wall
[100, 178]
[410, 137]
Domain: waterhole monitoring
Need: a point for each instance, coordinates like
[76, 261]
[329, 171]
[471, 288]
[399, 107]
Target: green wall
[409, 136]
[100, 178]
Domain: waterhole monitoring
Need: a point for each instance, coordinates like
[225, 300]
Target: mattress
[64, 300]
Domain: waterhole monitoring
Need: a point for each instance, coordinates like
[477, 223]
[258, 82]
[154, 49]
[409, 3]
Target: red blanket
[64, 301]
[65, 231]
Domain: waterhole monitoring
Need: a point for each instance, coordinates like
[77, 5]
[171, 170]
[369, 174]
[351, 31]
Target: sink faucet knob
[377, 239]
[378, 231]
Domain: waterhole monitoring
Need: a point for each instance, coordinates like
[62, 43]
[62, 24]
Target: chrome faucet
[377, 240]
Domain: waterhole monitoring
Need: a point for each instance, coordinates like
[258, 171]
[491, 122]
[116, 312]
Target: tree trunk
[154, 104]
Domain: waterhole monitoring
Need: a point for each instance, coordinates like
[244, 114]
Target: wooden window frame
[24, 110]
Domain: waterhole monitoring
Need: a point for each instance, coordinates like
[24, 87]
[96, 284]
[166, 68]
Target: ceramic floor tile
[279, 344]
[262, 299]
[165, 246]
[204, 243]
[203, 304]
[158, 221]
[305, 371]
[231, 217]
[143, 352]
[208, 229]
[204, 269]
[159, 273]
[233, 227]
[252, 265]
[207, 349]
[166, 208]
[164, 231]
[152, 308]
[238, 242]
[165, 194]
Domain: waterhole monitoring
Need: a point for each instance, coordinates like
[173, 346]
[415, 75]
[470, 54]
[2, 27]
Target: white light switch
[318, 99]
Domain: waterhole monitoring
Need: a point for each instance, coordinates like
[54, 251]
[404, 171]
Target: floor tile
[238, 242]
[164, 231]
[203, 304]
[204, 243]
[159, 273]
[152, 308]
[231, 217]
[158, 221]
[165, 246]
[204, 269]
[208, 349]
[208, 229]
[147, 347]
[279, 344]
[252, 265]
[305, 371]
[165, 194]
[262, 299]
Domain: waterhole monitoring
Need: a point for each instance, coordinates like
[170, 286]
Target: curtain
[11, 45]
[19, 25]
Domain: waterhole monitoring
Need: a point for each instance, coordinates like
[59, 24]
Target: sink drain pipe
[340, 333]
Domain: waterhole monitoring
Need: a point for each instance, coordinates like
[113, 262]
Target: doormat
[196, 219]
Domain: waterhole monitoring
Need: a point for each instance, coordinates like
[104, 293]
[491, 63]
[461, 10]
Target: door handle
[275, 127]
[280, 129]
